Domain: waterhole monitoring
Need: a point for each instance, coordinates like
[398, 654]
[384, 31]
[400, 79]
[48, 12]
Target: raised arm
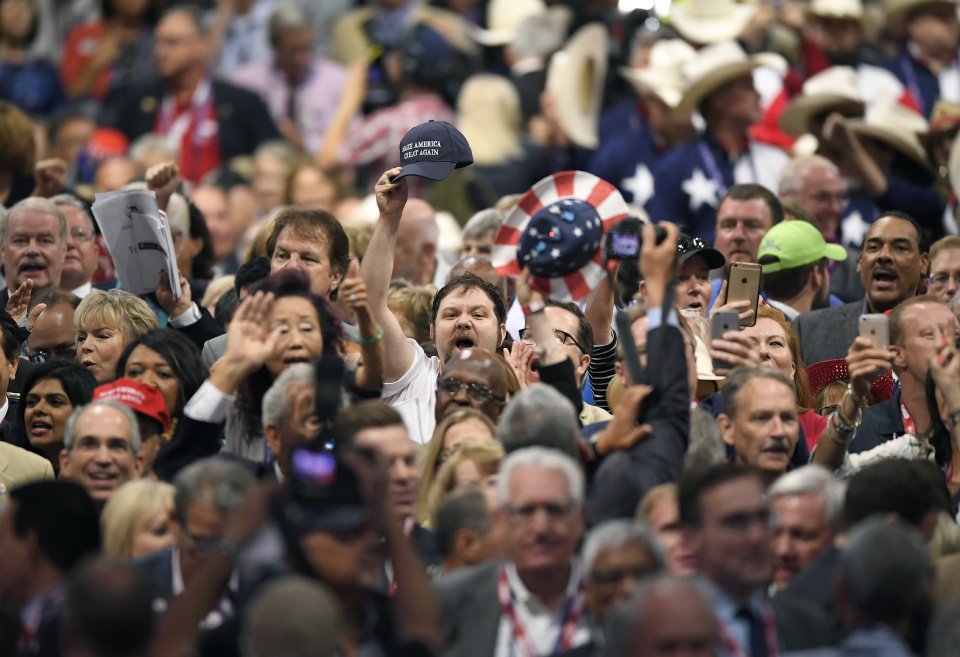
[376, 270]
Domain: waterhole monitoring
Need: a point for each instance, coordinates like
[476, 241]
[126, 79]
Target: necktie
[758, 639]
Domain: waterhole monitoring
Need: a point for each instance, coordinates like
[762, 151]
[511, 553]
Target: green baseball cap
[795, 243]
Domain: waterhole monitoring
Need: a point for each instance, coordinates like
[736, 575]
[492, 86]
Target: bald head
[474, 369]
[416, 254]
[479, 266]
[670, 611]
[815, 184]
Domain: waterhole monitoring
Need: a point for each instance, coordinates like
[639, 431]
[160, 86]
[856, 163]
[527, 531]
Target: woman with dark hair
[280, 323]
[196, 256]
[169, 362]
[31, 83]
[50, 393]
[112, 52]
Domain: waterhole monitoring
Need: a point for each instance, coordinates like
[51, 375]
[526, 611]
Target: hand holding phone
[743, 284]
[875, 326]
[722, 322]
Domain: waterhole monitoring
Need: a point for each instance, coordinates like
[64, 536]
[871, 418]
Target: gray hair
[625, 621]
[813, 479]
[69, 433]
[276, 402]
[886, 567]
[617, 533]
[36, 204]
[541, 35]
[153, 143]
[225, 482]
[539, 415]
[741, 376]
[541, 458]
[462, 510]
[705, 446]
[288, 17]
[293, 616]
[795, 172]
[482, 223]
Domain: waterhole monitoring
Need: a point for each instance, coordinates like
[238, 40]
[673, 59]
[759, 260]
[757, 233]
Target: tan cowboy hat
[852, 9]
[710, 21]
[718, 64]
[503, 19]
[898, 10]
[955, 167]
[704, 362]
[834, 89]
[663, 76]
[575, 79]
[897, 126]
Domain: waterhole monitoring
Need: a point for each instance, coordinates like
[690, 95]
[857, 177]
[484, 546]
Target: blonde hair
[128, 312]
[487, 456]
[653, 497]
[131, 504]
[216, 289]
[416, 304]
[488, 115]
[258, 244]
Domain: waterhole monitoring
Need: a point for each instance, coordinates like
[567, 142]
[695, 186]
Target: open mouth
[89, 364]
[102, 479]
[885, 277]
[464, 343]
[31, 268]
[695, 305]
[40, 427]
[292, 360]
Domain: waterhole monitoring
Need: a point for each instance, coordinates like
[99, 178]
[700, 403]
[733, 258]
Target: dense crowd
[521, 327]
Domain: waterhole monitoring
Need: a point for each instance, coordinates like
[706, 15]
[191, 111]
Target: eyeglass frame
[561, 336]
[488, 393]
[43, 355]
[932, 280]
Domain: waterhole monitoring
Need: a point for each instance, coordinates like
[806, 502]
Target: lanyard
[572, 610]
[734, 649]
[909, 424]
[710, 162]
[911, 79]
[174, 127]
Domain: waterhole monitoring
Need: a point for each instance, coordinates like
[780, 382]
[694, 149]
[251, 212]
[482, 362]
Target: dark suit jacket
[242, 118]
[881, 422]
[814, 586]
[827, 334]
[469, 611]
[624, 477]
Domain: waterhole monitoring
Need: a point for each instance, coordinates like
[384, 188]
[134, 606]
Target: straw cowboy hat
[851, 9]
[897, 126]
[710, 21]
[955, 167]
[897, 11]
[663, 76]
[575, 78]
[834, 89]
[503, 19]
[717, 65]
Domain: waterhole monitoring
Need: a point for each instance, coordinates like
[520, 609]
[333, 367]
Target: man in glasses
[532, 602]
[53, 335]
[82, 248]
[474, 378]
[944, 279]
[571, 330]
[208, 492]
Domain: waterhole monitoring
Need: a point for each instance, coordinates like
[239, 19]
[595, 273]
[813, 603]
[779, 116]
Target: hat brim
[913, 150]
[714, 258]
[654, 83]
[796, 118]
[897, 12]
[720, 76]
[604, 197]
[830, 252]
[429, 170]
[575, 78]
[705, 30]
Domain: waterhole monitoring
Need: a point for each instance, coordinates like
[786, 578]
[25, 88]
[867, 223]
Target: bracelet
[953, 419]
[374, 340]
[842, 424]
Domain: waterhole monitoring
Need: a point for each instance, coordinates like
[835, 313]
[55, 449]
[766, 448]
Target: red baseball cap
[143, 399]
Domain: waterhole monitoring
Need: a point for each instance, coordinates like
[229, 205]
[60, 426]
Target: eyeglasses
[825, 198]
[63, 352]
[554, 510]
[475, 391]
[562, 337]
[611, 576]
[80, 236]
[824, 411]
[943, 279]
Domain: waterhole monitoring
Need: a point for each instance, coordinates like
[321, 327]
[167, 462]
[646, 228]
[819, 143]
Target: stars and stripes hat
[556, 229]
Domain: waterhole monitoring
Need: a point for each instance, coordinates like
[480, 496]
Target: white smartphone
[876, 327]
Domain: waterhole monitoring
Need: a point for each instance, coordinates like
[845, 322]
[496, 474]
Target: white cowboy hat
[955, 167]
[897, 126]
[852, 9]
[575, 78]
[503, 19]
[718, 64]
[898, 10]
[710, 21]
[834, 89]
[663, 76]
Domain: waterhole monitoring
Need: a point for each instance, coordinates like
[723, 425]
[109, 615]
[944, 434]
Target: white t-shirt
[414, 394]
